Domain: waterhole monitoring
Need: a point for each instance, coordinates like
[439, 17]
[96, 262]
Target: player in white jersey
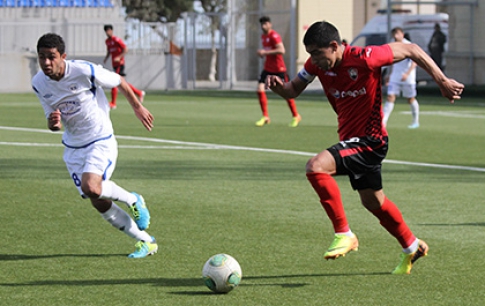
[71, 93]
[402, 79]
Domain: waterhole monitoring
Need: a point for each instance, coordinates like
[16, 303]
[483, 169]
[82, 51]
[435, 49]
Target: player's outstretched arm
[140, 111]
[287, 90]
[449, 88]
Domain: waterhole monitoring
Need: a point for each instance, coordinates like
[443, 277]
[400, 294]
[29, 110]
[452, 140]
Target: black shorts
[264, 74]
[361, 159]
[120, 70]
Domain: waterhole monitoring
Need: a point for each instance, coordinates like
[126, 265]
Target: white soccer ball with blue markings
[221, 273]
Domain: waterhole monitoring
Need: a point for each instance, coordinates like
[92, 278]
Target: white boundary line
[209, 146]
[455, 114]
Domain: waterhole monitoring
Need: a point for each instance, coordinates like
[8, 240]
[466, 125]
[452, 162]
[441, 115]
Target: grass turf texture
[254, 205]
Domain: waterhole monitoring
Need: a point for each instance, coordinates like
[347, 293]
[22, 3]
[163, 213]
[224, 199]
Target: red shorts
[120, 70]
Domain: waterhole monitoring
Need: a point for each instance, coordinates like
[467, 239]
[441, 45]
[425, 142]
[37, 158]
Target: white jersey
[80, 98]
[399, 68]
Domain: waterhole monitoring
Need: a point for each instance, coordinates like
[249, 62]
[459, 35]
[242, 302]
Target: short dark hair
[397, 29]
[51, 40]
[108, 27]
[321, 34]
[264, 19]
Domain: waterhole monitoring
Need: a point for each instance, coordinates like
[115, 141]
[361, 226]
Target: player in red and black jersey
[351, 78]
[273, 50]
[116, 47]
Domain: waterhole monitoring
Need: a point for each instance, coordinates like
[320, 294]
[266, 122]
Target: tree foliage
[213, 6]
[157, 10]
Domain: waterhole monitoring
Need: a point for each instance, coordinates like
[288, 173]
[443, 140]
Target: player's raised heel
[341, 245]
[263, 121]
[407, 260]
[140, 212]
[144, 249]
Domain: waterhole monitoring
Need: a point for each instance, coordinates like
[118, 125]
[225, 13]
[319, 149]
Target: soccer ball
[221, 273]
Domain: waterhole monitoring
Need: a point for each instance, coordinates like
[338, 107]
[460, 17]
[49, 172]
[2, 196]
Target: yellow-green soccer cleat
[295, 121]
[341, 245]
[407, 260]
[144, 249]
[140, 212]
[264, 120]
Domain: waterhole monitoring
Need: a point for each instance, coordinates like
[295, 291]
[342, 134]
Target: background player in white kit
[71, 93]
[402, 79]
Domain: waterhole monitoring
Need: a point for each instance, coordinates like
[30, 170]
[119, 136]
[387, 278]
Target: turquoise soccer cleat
[140, 212]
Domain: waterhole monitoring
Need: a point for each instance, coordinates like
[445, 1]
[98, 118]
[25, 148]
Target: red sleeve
[275, 38]
[120, 42]
[310, 68]
[378, 56]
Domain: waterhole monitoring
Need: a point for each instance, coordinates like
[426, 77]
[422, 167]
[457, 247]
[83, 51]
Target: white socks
[412, 248]
[388, 107]
[348, 233]
[415, 111]
[122, 221]
[111, 191]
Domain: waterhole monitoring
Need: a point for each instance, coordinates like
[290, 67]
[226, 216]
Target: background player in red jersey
[273, 50]
[351, 78]
[117, 49]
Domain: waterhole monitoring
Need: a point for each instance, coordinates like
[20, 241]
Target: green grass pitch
[215, 183]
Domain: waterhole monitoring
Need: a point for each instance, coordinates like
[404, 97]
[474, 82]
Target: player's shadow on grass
[15, 257]
[454, 224]
[185, 282]
[265, 280]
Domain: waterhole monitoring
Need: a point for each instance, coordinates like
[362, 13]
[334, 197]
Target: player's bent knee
[91, 190]
[314, 165]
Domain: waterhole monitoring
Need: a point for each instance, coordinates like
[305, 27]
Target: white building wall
[338, 12]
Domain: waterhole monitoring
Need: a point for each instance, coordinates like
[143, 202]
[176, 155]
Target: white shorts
[99, 158]
[408, 90]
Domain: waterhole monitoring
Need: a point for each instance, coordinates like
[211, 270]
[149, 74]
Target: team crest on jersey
[353, 73]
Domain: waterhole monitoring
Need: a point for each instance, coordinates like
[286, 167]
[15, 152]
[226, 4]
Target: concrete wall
[17, 71]
[348, 16]
[82, 30]
[465, 59]
[147, 72]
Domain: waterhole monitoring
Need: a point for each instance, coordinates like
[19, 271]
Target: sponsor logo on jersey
[334, 92]
[69, 108]
[348, 93]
